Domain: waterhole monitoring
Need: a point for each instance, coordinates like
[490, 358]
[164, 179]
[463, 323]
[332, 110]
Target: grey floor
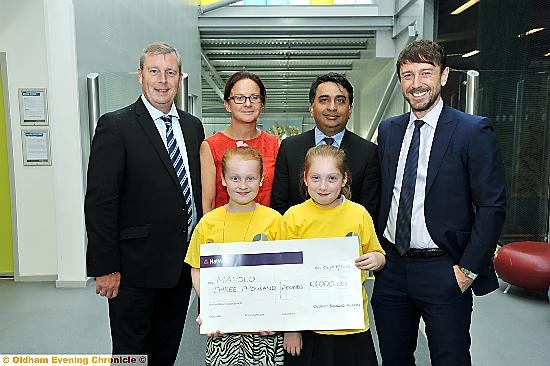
[508, 329]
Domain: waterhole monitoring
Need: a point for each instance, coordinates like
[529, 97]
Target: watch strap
[471, 275]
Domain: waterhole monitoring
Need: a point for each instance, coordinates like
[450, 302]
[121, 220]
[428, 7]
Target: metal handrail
[182, 100]
[472, 91]
[92, 86]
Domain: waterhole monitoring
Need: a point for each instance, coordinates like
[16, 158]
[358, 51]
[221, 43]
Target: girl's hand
[215, 334]
[293, 343]
[265, 332]
[372, 261]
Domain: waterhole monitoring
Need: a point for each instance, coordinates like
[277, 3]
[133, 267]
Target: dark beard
[426, 106]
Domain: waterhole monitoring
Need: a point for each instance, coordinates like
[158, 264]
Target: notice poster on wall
[33, 107]
[36, 147]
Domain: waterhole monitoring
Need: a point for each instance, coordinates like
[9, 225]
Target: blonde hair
[245, 153]
[337, 155]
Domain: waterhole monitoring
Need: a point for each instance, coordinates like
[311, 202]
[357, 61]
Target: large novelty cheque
[307, 284]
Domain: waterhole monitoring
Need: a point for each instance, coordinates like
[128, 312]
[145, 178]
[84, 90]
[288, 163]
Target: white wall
[22, 37]
[66, 143]
[54, 45]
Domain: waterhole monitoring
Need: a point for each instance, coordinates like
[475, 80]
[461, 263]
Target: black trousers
[409, 288]
[149, 321]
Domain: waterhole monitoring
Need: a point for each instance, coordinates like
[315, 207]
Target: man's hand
[293, 343]
[108, 285]
[372, 261]
[463, 281]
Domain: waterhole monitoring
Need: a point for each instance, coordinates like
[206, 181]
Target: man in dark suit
[442, 208]
[140, 211]
[330, 105]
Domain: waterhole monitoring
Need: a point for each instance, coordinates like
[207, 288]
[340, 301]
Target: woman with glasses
[244, 98]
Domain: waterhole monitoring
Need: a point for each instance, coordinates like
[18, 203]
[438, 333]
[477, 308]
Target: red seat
[525, 264]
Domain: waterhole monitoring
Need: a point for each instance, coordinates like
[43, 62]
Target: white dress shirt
[420, 237]
[178, 135]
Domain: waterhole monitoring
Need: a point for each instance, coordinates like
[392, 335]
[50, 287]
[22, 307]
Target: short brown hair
[339, 157]
[422, 51]
[241, 75]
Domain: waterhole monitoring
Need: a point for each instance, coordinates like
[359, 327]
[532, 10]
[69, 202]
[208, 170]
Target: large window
[508, 42]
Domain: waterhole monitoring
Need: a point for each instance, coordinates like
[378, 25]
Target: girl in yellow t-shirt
[329, 213]
[240, 220]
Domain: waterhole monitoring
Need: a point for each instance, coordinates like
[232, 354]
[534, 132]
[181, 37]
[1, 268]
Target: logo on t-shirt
[260, 237]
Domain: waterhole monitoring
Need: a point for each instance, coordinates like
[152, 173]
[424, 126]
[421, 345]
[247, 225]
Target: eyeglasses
[241, 99]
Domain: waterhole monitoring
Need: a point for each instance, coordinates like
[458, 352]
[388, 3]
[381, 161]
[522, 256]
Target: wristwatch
[471, 275]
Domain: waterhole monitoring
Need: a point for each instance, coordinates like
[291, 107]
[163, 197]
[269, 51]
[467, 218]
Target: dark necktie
[177, 162]
[329, 141]
[404, 212]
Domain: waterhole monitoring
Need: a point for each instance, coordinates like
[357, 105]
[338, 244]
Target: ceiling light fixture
[464, 6]
[531, 31]
[547, 54]
[471, 53]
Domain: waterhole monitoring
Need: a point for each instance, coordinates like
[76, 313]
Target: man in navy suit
[442, 208]
[140, 212]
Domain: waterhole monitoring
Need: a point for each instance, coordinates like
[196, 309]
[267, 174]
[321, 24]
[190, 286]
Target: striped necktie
[177, 162]
[404, 212]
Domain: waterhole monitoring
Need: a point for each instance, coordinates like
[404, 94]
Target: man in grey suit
[143, 199]
[330, 104]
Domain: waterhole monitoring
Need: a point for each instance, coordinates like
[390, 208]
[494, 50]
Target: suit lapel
[345, 145]
[148, 126]
[393, 146]
[307, 143]
[442, 137]
[310, 139]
